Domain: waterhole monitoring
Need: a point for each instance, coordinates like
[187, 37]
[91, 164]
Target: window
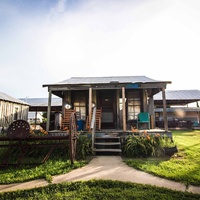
[80, 104]
[133, 106]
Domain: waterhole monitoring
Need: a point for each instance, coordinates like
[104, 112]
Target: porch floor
[114, 132]
[129, 132]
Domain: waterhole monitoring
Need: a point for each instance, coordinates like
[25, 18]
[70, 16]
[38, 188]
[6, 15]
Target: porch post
[118, 111]
[151, 111]
[124, 109]
[90, 106]
[164, 110]
[49, 111]
[35, 118]
[197, 111]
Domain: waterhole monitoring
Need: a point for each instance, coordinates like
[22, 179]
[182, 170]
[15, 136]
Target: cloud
[57, 9]
[100, 35]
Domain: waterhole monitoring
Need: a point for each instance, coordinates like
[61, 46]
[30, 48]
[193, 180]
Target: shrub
[143, 145]
[84, 147]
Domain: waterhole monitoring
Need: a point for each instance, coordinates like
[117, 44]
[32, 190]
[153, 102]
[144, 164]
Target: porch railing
[93, 126]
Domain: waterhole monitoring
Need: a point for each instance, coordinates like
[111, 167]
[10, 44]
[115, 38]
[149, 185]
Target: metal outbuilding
[182, 108]
[177, 97]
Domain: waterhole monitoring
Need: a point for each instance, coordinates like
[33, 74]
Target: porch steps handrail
[93, 126]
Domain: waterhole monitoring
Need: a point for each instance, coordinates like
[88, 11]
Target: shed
[179, 113]
[40, 105]
[12, 109]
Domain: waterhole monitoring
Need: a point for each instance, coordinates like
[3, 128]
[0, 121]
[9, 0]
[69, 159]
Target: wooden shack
[120, 99]
[11, 109]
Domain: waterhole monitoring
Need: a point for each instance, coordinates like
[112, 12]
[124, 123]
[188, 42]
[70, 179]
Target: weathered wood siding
[9, 111]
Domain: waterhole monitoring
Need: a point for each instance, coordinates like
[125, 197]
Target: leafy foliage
[84, 147]
[144, 145]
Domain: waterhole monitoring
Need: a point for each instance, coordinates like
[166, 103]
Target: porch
[110, 141]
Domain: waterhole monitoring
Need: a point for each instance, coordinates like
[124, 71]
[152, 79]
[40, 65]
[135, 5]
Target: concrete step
[108, 150]
[107, 143]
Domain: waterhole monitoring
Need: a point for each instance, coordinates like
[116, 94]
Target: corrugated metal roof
[106, 80]
[179, 95]
[43, 102]
[6, 97]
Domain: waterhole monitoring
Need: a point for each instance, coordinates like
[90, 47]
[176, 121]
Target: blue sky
[47, 41]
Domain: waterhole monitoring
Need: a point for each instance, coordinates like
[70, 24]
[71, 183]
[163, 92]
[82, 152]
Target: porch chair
[143, 119]
[66, 119]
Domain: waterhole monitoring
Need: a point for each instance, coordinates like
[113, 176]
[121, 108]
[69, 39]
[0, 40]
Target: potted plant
[168, 146]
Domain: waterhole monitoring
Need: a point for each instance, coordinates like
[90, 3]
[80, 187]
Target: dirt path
[107, 168]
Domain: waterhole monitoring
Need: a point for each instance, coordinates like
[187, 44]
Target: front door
[107, 101]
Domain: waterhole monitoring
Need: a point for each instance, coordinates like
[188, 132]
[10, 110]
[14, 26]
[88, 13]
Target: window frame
[133, 105]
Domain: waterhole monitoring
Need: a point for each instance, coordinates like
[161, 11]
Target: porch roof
[106, 80]
[110, 82]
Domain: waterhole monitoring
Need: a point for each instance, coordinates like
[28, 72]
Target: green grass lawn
[98, 190]
[183, 166]
[45, 171]
[58, 163]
